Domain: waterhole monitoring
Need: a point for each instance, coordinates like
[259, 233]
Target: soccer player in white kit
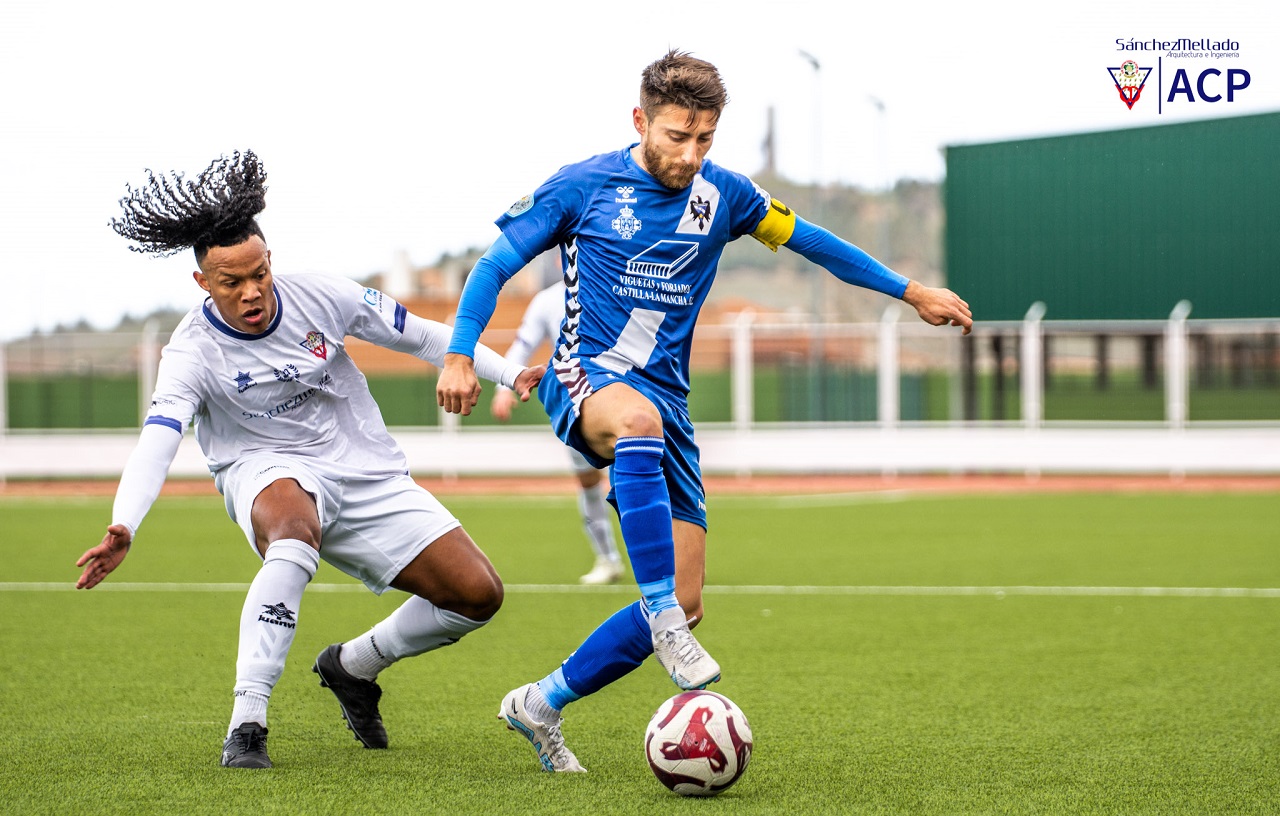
[297, 446]
[541, 323]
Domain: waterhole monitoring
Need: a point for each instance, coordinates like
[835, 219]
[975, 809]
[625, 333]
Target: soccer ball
[698, 743]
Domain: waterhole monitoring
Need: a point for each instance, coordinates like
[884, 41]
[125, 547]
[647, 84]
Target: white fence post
[1032, 365]
[888, 386]
[742, 371]
[148, 364]
[1175, 365]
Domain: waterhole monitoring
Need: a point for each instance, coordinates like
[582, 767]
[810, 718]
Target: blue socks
[614, 649]
[644, 513]
[622, 642]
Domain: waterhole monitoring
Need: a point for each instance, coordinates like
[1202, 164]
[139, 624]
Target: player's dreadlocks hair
[684, 81]
[170, 213]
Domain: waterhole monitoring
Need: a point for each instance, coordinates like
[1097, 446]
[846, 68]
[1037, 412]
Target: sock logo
[278, 614]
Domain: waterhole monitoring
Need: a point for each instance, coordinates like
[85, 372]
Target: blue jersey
[639, 260]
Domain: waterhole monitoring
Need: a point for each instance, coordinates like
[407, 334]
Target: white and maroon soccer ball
[698, 743]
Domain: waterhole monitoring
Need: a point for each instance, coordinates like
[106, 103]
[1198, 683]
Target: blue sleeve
[844, 260]
[480, 295]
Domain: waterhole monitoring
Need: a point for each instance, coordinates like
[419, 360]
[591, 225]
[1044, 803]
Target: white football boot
[606, 571]
[545, 737]
[679, 653]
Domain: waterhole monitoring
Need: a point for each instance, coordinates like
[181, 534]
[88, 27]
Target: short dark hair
[217, 209]
[684, 81]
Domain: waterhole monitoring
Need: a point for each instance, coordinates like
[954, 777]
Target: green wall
[1119, 225]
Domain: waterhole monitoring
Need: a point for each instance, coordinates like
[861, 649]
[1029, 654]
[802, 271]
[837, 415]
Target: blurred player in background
[541, 323]
[298, 448]
[640, 232]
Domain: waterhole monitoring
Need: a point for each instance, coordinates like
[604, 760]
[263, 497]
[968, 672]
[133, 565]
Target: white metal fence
[1176, 395]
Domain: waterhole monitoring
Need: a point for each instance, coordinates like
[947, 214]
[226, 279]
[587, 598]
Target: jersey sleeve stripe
[165, 421]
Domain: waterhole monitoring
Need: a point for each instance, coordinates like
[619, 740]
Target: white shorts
[369, 528]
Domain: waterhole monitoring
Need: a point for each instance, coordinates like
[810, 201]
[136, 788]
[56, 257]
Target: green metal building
[1121, 224]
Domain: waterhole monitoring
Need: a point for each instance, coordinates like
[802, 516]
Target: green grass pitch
[862, 700]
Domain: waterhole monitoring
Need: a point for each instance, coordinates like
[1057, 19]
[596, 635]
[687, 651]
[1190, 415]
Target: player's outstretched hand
[458, 388]
[504, 399]
[105, 557]
[938, 307]
[528, 380]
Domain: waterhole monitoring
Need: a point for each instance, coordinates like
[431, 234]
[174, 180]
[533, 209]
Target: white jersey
[540, 324]
[294, 389]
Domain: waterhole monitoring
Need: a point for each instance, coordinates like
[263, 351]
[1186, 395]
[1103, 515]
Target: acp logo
[1130, 79]
[1207, 83]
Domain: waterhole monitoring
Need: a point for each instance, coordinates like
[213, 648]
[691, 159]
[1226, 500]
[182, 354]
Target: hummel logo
[279, 614]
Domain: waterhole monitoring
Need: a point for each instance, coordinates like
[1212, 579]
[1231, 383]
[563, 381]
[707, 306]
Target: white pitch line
[722, 589]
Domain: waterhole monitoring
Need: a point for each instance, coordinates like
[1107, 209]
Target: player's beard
[672, 174]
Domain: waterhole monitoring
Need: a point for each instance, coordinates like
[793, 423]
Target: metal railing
[770, 371]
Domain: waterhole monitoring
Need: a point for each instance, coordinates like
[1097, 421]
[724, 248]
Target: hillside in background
[902, 227]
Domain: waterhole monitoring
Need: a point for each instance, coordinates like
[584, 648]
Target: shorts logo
[520, 206]
[1129, 80]
[278, 614]
[315, 344]
[244, 382]
[626, 223]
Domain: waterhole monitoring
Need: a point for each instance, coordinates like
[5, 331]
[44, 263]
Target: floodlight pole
[816, 286]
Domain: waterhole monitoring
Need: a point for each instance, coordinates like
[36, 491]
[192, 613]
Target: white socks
[267, 625]
[596, 519]
[417, 626]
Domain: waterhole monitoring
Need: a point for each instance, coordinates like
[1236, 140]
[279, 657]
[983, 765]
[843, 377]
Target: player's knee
[481, 597]
[639, 420]
[490, 600]
[296, 529]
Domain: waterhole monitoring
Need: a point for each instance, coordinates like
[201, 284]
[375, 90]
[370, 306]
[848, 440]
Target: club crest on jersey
[704, 200]
[626, 223]
[701, 211]
[244, 382]
[315, 344]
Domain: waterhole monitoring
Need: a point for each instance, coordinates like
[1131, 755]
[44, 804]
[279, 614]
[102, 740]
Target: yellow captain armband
[777, 225]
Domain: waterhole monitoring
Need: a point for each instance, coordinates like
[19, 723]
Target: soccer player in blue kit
[640, 232]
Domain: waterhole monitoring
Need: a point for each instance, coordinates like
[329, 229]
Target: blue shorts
[680, 458]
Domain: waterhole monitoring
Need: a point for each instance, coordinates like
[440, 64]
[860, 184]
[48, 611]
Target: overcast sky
[409, 126]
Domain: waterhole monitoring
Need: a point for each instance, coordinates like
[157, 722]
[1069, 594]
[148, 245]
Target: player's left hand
[104, 558]
[938, 307]
[528, 380]
[457, 389]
